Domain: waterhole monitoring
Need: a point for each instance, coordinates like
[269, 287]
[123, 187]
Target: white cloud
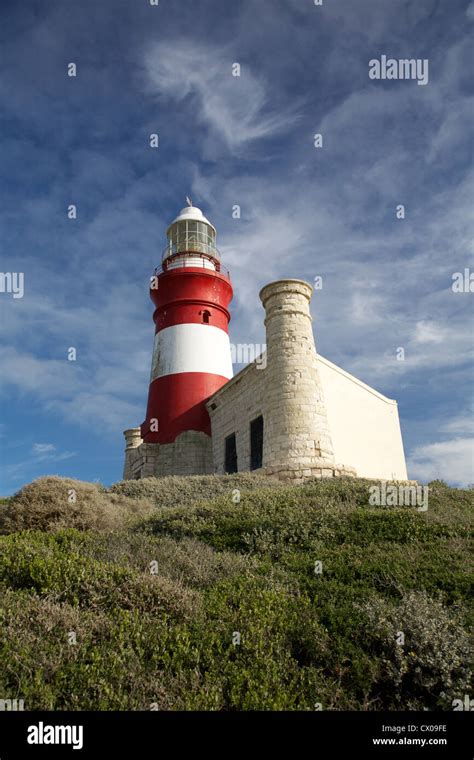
[461, 425]
[452, 461]
[367, 308]
[374, 296]
[40, 449]
[237, 109]
[428, 332]
[47, 452]
[74, 392]
[40, 454]
[98, 390]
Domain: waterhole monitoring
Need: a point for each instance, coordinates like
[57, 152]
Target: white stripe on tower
[191, 347]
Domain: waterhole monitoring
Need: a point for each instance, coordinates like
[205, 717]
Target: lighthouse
[294, 415]
[191, 292]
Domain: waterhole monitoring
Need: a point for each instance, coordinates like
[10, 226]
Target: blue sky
[224, 140]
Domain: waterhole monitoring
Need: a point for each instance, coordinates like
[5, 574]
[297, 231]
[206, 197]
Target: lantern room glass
[191, 236]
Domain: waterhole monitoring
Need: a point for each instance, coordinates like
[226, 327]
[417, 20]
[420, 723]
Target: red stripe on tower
[191, 354]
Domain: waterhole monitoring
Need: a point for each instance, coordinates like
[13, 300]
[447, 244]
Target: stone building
[291, 413]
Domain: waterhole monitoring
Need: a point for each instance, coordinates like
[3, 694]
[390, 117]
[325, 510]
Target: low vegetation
[232, 593]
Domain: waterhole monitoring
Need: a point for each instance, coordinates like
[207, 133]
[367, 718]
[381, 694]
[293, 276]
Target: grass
[233, 593]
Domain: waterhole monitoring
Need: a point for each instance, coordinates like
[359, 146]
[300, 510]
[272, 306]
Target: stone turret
[133, 440]
[297, 441]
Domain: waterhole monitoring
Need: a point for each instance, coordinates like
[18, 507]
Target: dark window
[230, 454]
[205, 316]
[256, 443]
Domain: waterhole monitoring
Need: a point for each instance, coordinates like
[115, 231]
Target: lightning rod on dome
[189, 201]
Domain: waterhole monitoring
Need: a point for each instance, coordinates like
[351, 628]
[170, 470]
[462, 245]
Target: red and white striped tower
[191, 354]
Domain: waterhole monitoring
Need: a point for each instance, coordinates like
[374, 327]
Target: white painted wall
[364, 425]
[191, 347]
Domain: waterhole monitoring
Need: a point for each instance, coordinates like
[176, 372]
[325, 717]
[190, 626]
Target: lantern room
[191, 241]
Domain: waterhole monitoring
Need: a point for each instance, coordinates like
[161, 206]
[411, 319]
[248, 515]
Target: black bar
[307, 735]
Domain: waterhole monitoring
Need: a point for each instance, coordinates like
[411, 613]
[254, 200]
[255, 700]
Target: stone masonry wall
[286, 390]
[232, 409]
[189, 454]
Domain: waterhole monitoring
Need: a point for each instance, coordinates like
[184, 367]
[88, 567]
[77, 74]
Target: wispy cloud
[235, 109]
[47, 452]
[43, 449]
[451, 460]
[463, 424]
[41, 455]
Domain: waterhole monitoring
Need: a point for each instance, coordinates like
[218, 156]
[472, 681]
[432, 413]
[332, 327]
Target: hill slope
[232, 592]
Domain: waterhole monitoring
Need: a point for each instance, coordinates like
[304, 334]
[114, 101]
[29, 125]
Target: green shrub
[174, 491]
[56, 568]
[424, 649]
[108, 666]
[52, 503]
[188, 561]
[157, 577]
[269, 520]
